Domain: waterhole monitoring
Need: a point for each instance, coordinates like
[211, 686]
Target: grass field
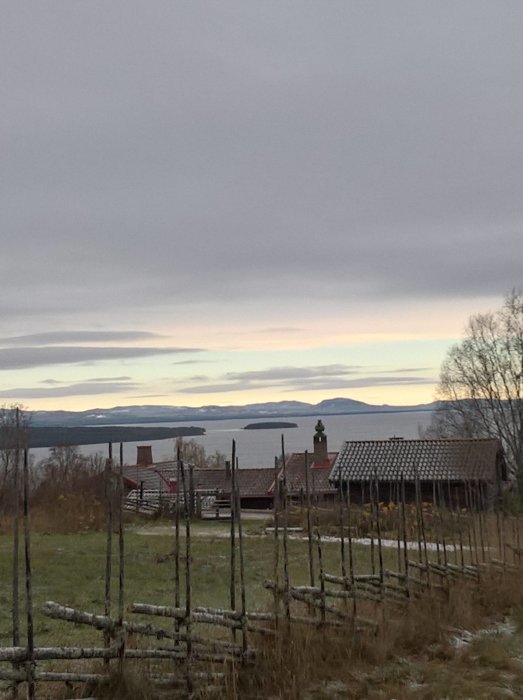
[414, 659]
[69, 569]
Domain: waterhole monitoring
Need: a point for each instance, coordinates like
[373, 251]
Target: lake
[257, 448]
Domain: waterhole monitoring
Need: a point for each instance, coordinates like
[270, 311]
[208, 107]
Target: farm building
[456, 467]
[156, 482]
[315, 465]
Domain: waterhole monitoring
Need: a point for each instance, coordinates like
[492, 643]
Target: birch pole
[349, 533]
[398, 521]
[378, 527]
[422, 526]
[15, 610]
[276, 550]
[177, 539]
[28, 584]
[121, 562]
[188, 562]
[109, 542]
[233, 532]
[242, 567]
[342, 539]
[285, 533]
[309, 519]
[404, 528]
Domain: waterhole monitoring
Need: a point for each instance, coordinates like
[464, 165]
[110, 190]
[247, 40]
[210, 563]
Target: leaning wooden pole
[15, 610]
[371, 530]
[378, 526]
[461, 561]
[436, 518]
[351, 552]
[177, 539]
[422, 526]
[121, 564]
[472, 507]
[276, 548]
[398, 522]
[405, 538]
[343, 564]
[28, 584]
[286, 579]
[322, 578]
[442, 526]
[188, 582]
[309, 518]
[232, 573]
[109, 541]
[243, 600]
[454, 512]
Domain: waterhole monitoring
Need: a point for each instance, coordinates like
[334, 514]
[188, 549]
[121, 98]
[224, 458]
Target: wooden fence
[189, 647]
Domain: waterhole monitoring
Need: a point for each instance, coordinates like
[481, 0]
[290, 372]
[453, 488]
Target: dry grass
[411, 657]
[132, 684]
[64, 499]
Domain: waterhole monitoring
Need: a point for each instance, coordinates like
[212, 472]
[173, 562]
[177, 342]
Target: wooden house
[457, 469]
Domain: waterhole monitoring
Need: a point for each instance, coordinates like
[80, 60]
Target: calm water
[257, 448]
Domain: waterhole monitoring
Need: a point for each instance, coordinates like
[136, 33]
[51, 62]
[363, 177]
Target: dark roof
[318, 474]
[252, 482]
[454, 459]
[155, 477]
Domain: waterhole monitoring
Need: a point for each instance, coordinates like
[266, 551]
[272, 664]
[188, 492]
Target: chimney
[320, 444]
[144, 455]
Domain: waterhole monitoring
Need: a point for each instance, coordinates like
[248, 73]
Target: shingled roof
[442, 459]
[154, 478]
[252, 483]
[318, 474]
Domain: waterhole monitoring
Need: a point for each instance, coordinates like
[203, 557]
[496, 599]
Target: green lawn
[69, 569]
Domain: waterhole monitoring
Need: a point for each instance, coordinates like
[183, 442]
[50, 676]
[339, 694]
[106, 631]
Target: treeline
[62, 437]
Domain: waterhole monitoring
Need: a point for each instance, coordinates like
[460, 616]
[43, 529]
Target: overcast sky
[226, 202]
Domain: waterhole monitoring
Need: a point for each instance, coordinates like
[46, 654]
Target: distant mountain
[126, 415]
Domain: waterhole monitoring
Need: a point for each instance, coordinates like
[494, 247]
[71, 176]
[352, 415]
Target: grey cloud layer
[89, 388]
[26, 357]
[158, 154]
[294, 379]
[61, 337]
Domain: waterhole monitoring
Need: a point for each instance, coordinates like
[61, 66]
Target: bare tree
[63, 462]
[193, 452]
[481, 382]
[14, 427]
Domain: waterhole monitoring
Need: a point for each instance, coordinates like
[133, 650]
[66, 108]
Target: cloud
[287, 373]
[334, 154]
[56, 382]
[110, 379]
[364, 382]
[63, 337]
[26, 357]
[193, 362]
[88, 388]
[293, 379]
[265, 178]
[277, 330]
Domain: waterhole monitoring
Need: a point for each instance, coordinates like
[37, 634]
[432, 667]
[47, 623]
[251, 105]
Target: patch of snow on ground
[461, 638]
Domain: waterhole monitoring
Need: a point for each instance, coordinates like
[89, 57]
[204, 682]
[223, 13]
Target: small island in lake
[268, 425]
